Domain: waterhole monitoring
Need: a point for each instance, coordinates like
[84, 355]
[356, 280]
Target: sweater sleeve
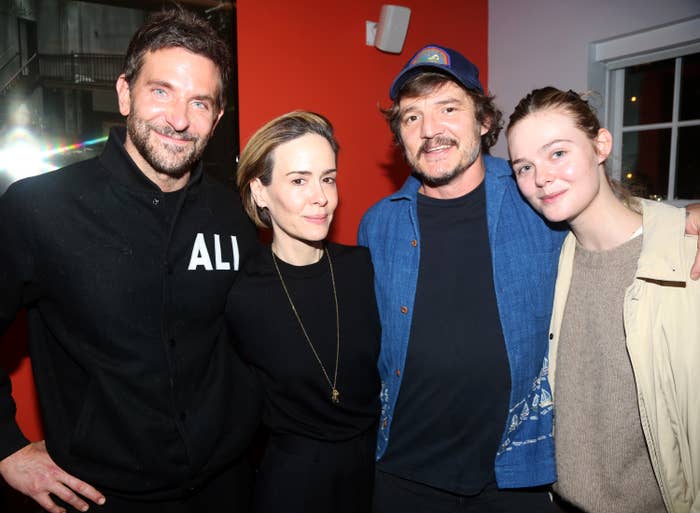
[15, 265]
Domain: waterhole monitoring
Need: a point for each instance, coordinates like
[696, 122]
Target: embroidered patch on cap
[431, 55]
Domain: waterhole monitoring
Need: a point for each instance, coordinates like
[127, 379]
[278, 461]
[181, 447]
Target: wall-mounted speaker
[392, 28]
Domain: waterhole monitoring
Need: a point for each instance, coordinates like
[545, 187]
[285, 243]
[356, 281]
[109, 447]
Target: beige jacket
[662, 323]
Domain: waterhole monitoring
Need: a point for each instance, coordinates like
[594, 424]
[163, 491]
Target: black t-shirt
[452, 407]
[269, 338]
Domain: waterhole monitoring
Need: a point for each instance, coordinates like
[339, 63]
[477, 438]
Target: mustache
[171, 132]
[436, 141]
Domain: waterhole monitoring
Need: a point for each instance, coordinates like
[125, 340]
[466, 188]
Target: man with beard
[124, 263]
[464, 275]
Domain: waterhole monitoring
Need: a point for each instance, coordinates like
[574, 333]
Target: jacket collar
[115, 158]
[408, 191]
[663, 245]
[496, 171]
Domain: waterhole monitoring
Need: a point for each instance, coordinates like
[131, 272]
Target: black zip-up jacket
[125, 286]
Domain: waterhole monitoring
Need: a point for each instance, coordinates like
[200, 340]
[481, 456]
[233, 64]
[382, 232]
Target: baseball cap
[439, 57]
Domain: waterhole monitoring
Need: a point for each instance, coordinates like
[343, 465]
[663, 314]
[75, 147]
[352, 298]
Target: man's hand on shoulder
[32, 472]
[692, 227]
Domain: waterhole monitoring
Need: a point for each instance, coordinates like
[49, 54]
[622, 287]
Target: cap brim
[409, 73]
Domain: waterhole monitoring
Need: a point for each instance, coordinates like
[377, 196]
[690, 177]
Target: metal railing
[11, 51]
[22, 70]
[9, 67]
[81, 68]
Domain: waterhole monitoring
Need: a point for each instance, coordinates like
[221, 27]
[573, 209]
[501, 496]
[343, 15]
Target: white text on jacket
[200, 255]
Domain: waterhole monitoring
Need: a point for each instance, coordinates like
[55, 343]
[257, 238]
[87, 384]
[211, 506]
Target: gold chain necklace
[335, 395]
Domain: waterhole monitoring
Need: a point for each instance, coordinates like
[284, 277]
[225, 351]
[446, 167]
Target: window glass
[688, 163]
[645, 158]
[690, 87]
[649, 93]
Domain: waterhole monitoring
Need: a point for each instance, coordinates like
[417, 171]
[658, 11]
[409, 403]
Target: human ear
[259, 193]
[218, 118]
[123, 95]
[603, 144]
[485, 126]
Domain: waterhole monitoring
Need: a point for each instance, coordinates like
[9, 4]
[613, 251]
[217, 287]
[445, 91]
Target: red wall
[311, 54]
[14, 359]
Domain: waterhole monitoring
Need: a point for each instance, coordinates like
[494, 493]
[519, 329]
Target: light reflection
[22, 155]
[76, 146]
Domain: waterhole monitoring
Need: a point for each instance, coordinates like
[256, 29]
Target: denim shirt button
[414, 243]
[398, 372]
[404, 309]
[384, 423]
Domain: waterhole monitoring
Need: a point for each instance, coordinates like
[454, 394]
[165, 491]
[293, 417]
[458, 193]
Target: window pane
[645, 159]
[690, 87]
[688, 164]
[649, 93]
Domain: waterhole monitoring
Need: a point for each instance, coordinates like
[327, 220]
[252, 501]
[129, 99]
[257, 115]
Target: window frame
[606, 72]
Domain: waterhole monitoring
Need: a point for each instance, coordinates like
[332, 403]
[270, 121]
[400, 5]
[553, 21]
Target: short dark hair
[428, 81]
[179, 28]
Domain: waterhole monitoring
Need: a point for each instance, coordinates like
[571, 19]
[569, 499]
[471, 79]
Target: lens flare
[23, 155]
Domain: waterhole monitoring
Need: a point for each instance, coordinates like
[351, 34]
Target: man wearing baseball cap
[464, 275]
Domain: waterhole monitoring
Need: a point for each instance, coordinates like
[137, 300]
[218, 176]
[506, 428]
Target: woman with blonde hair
[625, 329]
[304, 317]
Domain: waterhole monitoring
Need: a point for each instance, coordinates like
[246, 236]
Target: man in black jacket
[123, 263]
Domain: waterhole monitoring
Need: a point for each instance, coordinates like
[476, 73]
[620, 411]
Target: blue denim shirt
[525, 252]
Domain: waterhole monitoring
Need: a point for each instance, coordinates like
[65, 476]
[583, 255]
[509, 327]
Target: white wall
[534, 43]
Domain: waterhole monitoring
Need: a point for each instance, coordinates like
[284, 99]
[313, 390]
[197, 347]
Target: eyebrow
[163, 83]
[326, 172]
[444, 101]
[544, 147]
[552, 143]
[205, 97]
[448, 100]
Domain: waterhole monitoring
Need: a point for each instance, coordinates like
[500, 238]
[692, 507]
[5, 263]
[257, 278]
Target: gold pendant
[335, 396]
